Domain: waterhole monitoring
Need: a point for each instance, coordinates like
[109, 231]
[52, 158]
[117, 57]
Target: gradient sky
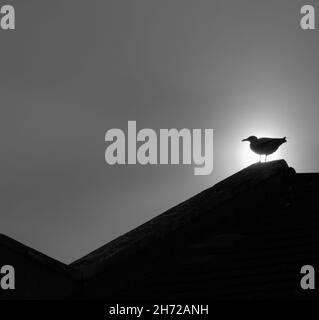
[74, 69]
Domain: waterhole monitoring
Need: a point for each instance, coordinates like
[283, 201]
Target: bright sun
[246, 156]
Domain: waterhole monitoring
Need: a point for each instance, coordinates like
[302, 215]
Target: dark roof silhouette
[246, 237]
[178, 217]
[37, 275]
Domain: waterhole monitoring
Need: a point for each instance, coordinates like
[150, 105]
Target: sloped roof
[35, 255]
[179, 216]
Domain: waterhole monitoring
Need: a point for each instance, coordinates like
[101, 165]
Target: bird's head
[250, 139]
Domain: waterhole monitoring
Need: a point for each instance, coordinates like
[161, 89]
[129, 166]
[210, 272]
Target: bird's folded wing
[267, 141]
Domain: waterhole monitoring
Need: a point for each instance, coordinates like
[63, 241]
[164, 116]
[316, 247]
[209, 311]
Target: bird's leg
[260, 158]
[266, 158]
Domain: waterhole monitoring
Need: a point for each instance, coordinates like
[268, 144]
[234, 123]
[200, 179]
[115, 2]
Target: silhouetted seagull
[265, 146]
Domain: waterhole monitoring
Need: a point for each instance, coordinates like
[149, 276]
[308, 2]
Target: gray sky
[74, 69]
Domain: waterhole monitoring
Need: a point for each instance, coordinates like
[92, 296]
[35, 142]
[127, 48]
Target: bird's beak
[244, 140]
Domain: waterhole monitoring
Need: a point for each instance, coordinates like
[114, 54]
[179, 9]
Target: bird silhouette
[264, 146]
